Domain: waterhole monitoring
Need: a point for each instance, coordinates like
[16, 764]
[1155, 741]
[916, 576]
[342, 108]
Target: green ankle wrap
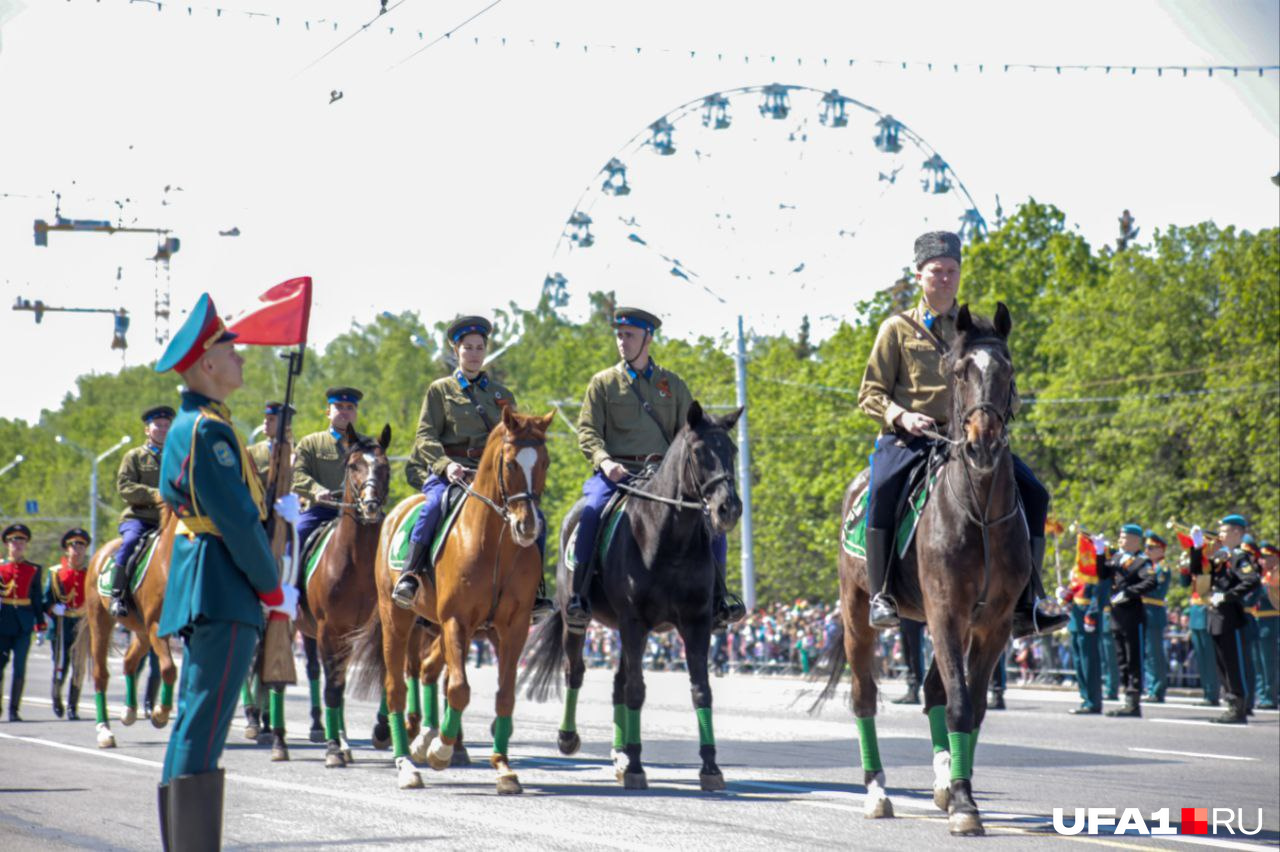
[382, 706]
[100, 707]
[619, 725]
[973, 746]
[332, 722]
[431, 698]
[631, 727]
[569, 722]
[413, 697]
[502, 727]
[277, 709]
[399, 737]
[938, 728]
[868, 743]
[706, 733]
[131, 691]
[315, 692]
[166, 694]
[246, 695]
[452, 722]
[961, 768]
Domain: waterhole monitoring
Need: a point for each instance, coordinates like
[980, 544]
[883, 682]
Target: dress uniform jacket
[613, 423]
[138, 483]
[450, 428]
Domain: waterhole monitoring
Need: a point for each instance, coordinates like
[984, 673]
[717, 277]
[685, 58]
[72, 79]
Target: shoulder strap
[471, 395]
[926, 332]
[648, 409]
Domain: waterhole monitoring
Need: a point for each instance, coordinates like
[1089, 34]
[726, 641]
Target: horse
[143, 622]
[658, 573]
[963, 576]
[486, 578]
[338, 592]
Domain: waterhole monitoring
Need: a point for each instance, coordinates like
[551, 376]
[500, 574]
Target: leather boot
[73, 699]
[912, 695]
[117, 607]
[162, 805]
[996, 700]
[1235, 714]
[1030, 618]
[58, 709]
[406, 590]
[577, 612]
[726, 607]
[15, 699]
[884, 609]
[195, 812]
[1131, 708]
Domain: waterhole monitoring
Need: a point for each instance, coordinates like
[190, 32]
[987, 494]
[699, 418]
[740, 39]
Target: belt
[463, 451]
[636, 459]
[1082, 601]
[1086, 579]
[74, 613]
[16, 601]
[1266, 613]
[1153, 601]
[192, 527]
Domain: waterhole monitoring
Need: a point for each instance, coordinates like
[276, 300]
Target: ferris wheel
[777, 201]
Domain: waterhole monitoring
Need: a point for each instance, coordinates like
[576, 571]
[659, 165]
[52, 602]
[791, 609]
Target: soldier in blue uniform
[1249, 633]
[137, 483]
[1198, 624]
[1132, 578]
[1156, 661]
[21, 610]
[221, 575]
[1267, 653]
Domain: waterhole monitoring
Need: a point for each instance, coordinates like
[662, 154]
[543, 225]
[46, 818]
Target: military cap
[157, 412]
[1154, 538]
[202, 329]
[13, 530]
[1269, 549]
[1234, 521]
[1132, 529]
[343, 395]
[275, 407]
[937, 244]
[463, 326]
[74, 534]
[1250, 544]
[636, 317]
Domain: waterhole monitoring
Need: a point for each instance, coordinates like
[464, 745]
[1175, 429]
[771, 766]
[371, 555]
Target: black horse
[658, 573]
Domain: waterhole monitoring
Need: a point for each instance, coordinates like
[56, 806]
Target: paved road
[793, 778]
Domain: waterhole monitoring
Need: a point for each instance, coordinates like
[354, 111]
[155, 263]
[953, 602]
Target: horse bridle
[357, 505]
[504, 510]
[703, 488]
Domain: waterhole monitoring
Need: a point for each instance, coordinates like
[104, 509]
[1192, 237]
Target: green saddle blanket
[314, 552]
[615, 512]
[400, 538]
[854, 531]
[139, 574]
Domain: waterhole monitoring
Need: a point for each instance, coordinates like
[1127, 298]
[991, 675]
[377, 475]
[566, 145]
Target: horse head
[522, 471]
[708, 470]
[368, 474]
[980, 371]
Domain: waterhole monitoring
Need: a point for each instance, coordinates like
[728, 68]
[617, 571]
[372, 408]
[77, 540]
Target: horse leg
[397, 627]
[279, 742]
[949, 654]
[99, 627]
[984, 653]
[430, 671]
[509, 640]
[935, 707]
[314, 668]
[574, 669]
[133, 660]
[333, 756]
[457, 695]
[413, 684]
[617, 755]
[697, 646]
[860, 651]
[633, 636]
[168, 677]
[251, 697]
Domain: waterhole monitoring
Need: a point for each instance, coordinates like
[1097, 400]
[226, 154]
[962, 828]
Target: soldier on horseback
[905, 390]
[138, 483]
[630, 413]
[261, 451]
[319, 463]
[458, 413]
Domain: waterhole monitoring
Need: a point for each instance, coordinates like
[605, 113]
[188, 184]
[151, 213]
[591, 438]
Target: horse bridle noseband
[504, 510]
[704, 504]
[357, 505]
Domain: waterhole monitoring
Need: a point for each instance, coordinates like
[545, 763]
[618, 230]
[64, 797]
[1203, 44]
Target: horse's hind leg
[935, 708]
[333, 754]
[133, 660]
[457, 695]
[574, 670]
[860, 650]
[168, 677]
[949, 656]
[314, 668]
[697, 644]
[617, 754]
[633, 637]
[99, 628]
[429, 675]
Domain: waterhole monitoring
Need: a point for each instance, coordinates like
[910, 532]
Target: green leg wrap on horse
[631, 726]
[332, 722]
[502, 727]
[100, 707]
[619, 725]
[399, 736]
[166, 694]
[246, 694]
[569, 722]
[130, 690]
[382, 705]
[868, 743]
[413, 697]
[973, 746]
[431, 698]
[452, 722]
[938, 728]
[315, 692]
[277, 709]
[706, 733]
[961, 768]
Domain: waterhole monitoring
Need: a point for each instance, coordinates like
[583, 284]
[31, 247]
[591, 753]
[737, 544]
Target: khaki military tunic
[449, 419]
[319, 464]
[138, 483]
[261, 455]
[613, 425]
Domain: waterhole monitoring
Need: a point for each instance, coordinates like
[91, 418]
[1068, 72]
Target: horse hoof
[878, 807]
[407, 776]
[334, 760]
[317, 735]
[381, 737]
[160, 718]
[942, 798]
[418, 747]
[711, 782]
[620, 763]
[251, 732]
[569, 742]
[439, 755]
[106, 739]
[348, 756]
[279, 753]
[965, 824]
[128, 716]
[509, 785]
[634, 781]
[460, 756]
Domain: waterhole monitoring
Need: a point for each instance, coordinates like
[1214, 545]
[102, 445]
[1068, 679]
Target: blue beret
[274, 407]
[343, 395]
[202, 329]
[1248, 539]
[1234, 521]
[1132, 529]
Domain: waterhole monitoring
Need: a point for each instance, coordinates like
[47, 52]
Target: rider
[320, 463]
[21, 610]
[630, 414]
[905, 390]
[261, 451]
[138, 484]
[64, 598]
[458, 413]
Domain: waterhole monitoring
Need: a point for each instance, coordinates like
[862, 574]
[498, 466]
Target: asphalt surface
[793, 779]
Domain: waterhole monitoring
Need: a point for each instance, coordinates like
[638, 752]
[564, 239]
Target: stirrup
[542, 607]
[406, 590]
[118, 608]
[883, 612]
[1035, 621]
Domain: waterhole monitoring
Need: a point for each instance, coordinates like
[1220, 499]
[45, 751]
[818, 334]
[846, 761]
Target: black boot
[726, 607]
[912, 695]
[195, 812]
[577, 612]
[162, 805]
[73, 699]
[15, 699]
[996, 700]
[884, 609]
[1131, 708]
[1030, 618]
[1235, 714]
[58, 709]
[117, 607]
[406, 590]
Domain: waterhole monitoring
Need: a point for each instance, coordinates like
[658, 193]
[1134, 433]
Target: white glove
[1099, 543]
[288, 508]
[1216, 599]
[290, 605]
[59, 609]
[455, 472]
[1197, 537]
[1119, 598]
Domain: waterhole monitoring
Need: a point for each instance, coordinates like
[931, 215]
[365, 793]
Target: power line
[363, 28]
[446, 35]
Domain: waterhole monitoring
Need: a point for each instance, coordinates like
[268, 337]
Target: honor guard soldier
[1084, 597]
[1156, 662]
[458, 413]
[319, 463]
[261, 451]
[138, 484]
[1267, 657]
[21, 611]
[1232, 578]
[1132, 578]
[630, 414]
[64, 598]
[1201, 641]
[221, 575]
[905, 391]
[1250, 632]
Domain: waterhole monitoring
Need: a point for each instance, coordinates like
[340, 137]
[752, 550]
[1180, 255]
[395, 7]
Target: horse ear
[964, 321]
[695, 414]
[509, 419]
[545, 422]
[352, 437]
[384, 440]
[1004, 322]
[731, 419]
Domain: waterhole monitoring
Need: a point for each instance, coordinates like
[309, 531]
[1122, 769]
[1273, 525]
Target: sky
[442, 179]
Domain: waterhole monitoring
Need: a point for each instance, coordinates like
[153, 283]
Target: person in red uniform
[21, 610]
[64, 603]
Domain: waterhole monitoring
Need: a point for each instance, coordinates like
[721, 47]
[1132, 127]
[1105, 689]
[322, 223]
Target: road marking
[1192, 722]
[1190, 753]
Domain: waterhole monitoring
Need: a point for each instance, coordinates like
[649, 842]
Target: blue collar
[648, 370]
[337, 436]
[481, 381]
[153, 449]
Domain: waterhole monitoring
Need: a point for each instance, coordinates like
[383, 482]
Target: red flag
[283, 318]
[1185, 541]
[1086, 556]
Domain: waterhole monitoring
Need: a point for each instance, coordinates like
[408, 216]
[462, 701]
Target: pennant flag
[1086, 556]
[1185, 541]
[282, 319]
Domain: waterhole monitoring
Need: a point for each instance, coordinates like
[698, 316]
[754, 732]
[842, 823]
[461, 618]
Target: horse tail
[544, 660]
[831, 664]
[366, 667]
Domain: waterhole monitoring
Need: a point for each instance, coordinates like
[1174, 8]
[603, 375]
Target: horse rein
[504, 511]
[702, 487]
[357, 505]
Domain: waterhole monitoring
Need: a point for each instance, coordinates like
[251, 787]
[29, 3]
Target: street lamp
[17, 460]
[93, 476]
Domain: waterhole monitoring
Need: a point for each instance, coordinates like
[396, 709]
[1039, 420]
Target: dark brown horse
[963, 576]
[486, 578]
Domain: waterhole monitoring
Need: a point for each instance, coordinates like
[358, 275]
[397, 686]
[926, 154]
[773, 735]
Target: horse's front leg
[949, 656]
[860, 641]
[168, 676]
[633, 638]
[133, 660]
[509, 643]
[457, 694]
[697, 645]
[314, 668]
[575, 668]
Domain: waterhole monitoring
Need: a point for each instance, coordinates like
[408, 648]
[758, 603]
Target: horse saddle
[312, 552]
[909, 505]
[610, 516]
[141, 556]
[455, 497]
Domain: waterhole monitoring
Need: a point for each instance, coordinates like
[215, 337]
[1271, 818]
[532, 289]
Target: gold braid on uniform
[56, 587]
[6, 589]
[248, 472]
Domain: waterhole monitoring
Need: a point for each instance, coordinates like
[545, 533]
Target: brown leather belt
[637, 459]
[463, 451]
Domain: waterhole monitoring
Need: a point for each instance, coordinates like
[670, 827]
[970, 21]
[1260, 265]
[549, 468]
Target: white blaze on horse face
[981, 359]
[527, 458]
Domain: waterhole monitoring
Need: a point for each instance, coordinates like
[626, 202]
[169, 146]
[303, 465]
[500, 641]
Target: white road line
[1190, 753]
[1192, 722]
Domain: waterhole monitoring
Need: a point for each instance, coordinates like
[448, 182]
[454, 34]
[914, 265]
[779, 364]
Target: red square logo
[1195, 821]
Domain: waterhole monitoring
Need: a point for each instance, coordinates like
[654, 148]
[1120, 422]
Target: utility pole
[93, 476]
[744, 475]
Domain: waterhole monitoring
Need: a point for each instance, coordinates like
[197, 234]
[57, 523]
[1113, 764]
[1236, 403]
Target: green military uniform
[451, 427]
[904, 370]
[138, 484]
[260, 454]
[319, 464]
[613, 424]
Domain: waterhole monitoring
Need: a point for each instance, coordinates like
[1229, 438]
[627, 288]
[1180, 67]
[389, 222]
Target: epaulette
[214, 415]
